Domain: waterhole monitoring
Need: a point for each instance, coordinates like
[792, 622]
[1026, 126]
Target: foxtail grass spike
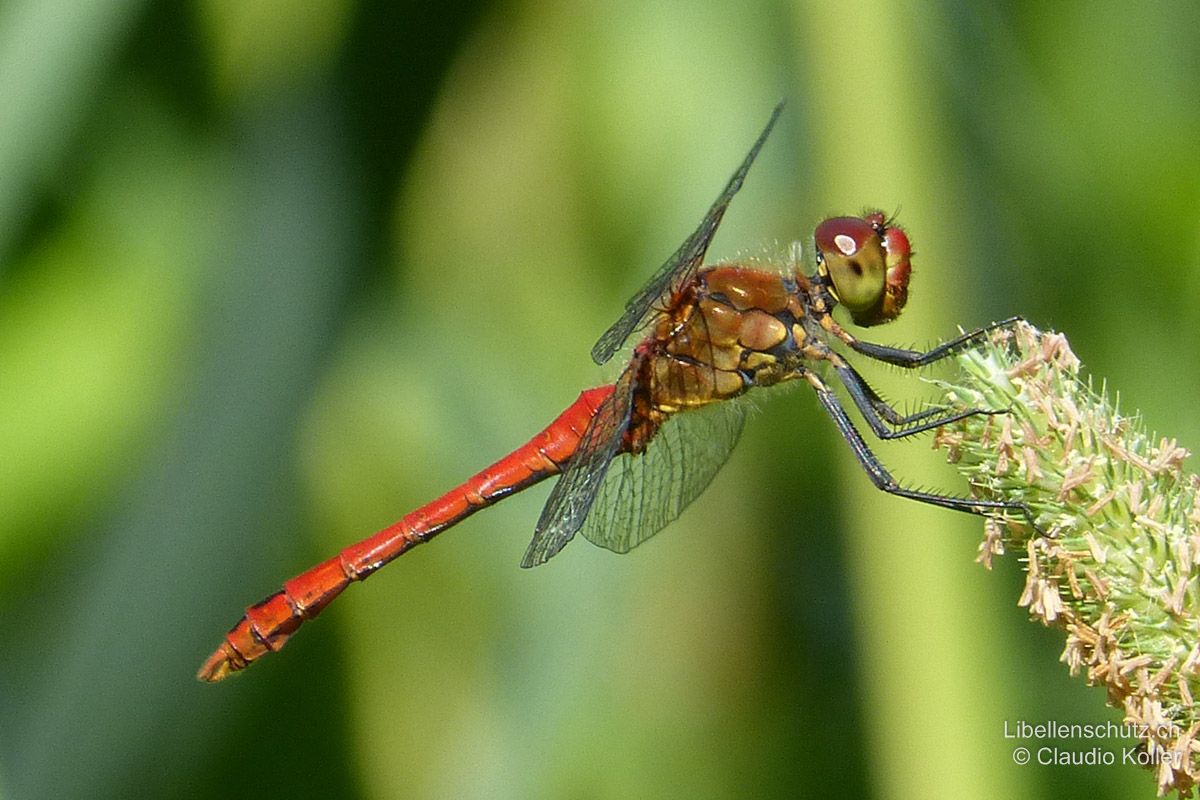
[1114, 560]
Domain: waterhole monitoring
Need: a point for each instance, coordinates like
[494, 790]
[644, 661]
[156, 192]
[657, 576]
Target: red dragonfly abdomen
[266, 626]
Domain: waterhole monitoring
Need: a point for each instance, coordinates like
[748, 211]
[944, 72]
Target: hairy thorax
[730, 328]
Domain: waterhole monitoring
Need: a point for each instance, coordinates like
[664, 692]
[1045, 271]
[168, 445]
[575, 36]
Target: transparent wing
[682, 263]
[641, 494]
[576, 491]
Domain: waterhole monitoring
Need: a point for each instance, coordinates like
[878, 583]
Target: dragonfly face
[867, 263]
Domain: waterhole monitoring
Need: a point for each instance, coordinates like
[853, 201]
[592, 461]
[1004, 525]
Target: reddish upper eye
[868, 263]
[844, 236]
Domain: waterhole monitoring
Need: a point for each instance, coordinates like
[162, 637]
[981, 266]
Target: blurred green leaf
[92, 328]
[262, 46]
[53, 56]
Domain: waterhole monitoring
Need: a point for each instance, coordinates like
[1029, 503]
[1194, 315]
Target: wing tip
[602, 352]
[540, 551]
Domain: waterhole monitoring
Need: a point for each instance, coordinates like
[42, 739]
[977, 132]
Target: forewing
[641, 494]
[682, 263]
[575, 492]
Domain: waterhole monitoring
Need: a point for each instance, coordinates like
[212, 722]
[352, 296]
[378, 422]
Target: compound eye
[853, 253]
[868, 259]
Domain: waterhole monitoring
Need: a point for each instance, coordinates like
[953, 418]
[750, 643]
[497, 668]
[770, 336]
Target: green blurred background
[273, 274]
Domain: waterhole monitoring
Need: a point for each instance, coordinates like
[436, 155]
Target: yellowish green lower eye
[859, 279]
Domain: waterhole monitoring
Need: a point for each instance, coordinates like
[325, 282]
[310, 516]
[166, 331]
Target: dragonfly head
[865, 262]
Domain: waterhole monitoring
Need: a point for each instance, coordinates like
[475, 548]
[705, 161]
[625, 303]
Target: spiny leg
[883, 479]
[860, 389]
[911, 359]
[876, 411]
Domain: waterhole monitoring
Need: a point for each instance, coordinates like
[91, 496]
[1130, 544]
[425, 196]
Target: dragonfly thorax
[731, 327]
[866, 263]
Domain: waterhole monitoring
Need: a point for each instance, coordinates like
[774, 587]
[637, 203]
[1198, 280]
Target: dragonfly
[634, 453]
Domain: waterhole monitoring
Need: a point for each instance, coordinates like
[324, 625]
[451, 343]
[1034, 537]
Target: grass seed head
[1116, 562]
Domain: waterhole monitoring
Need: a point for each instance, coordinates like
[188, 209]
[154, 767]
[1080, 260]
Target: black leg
[914, 358]
[875, 411]
[883, 479]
